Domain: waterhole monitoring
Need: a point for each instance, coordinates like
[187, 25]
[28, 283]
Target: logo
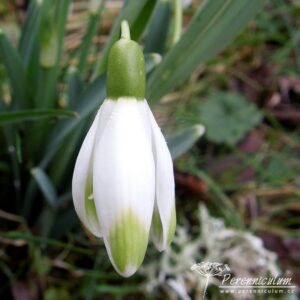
[243, 285]
[208, 270]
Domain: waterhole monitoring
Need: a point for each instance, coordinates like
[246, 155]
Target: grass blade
[51, 36]
[177, 21]
[45, 186]
[157, 35]
[222, 202]
[89, 102]
[75, 86]
[213, 27]
[93, 21]
[42, 240]
[16, 73]
[28, 39]
[139, 25]
[34, 114]
[184, 140]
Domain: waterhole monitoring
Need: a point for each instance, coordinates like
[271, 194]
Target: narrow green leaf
[89, 103]
[34, 114]
[61, 165]
[117, 290]
[156, 38]
[222, 202]
[184, 140]
[62, 19]
[75, 86]
[176, 22]
[45, 186]
[29, 33]
[51, 36]
[16, 73]
[212, 28]
[93, 21]
[45, 93]
[131, 11]
[42, 240]
[139, 25]
[52, 30]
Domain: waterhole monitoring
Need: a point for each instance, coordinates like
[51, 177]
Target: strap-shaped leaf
[212, 28]
[45, 186]
[39, 240]
[51, 36]
[137, 28]
[158, 28]
[28, 39]
[87, 42]
[52, 29]
[222, 202]
[184, 140]
[16, 73]
[89, 102]
[75, 87]
[33, 114]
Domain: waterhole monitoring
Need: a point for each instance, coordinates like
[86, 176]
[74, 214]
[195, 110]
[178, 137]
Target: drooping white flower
[123, 182]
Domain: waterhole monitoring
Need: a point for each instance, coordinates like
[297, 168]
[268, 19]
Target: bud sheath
[126, 68]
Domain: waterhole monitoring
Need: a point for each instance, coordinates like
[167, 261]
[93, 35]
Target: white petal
[124, 183]
[105, 112]
[82, 176]
[165, 188]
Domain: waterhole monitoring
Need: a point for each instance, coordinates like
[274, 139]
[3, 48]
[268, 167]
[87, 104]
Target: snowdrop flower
[123, 182]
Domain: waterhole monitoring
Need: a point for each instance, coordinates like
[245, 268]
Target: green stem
[125, 31]
[94, 19]
[177, 25]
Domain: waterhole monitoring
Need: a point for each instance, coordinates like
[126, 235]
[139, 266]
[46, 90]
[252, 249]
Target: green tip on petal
[90, 208]
[157, 229]
[172, 227]
[128, 241]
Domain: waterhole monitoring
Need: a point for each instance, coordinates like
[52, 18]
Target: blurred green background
[232, 66]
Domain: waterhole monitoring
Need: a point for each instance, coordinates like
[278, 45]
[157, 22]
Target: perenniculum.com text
[258, 285]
